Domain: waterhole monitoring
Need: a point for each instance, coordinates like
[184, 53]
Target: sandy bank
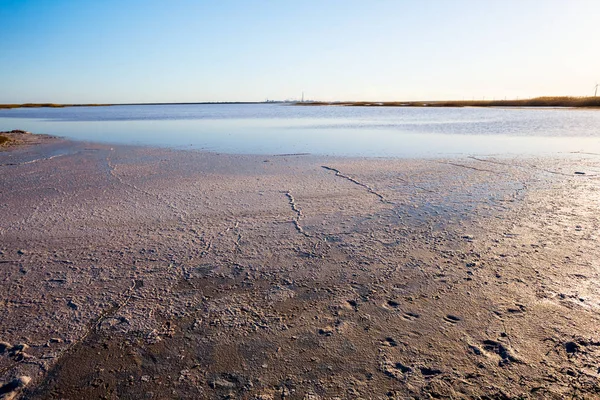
[152, 273]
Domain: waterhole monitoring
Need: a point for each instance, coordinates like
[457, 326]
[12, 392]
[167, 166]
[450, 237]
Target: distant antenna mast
[596, 90]
[303, 94]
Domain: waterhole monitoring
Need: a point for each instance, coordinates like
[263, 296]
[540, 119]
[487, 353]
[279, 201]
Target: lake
[322, 130]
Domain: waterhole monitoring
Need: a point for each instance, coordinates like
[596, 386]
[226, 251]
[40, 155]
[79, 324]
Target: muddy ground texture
[142, 273]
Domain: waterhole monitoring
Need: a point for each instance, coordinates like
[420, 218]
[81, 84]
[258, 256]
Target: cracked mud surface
[150, 273]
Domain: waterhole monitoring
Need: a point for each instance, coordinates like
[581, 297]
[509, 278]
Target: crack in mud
[128, 294]
[209, 242]
[468, 167]
[33, 161]
[298, 212]
[369, 188]
[113, 172]
[526, 166]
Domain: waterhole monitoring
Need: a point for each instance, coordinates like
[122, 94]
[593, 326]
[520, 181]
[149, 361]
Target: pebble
[223, 384]
[23, 380]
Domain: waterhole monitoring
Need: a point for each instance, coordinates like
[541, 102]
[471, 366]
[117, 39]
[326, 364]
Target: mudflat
[147, 273]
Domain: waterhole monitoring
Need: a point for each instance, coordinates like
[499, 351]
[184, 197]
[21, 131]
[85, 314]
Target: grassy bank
[534, 102]
[53, 105]
[47, 105]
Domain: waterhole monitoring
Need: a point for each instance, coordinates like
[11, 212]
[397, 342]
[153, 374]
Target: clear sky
[115, 51]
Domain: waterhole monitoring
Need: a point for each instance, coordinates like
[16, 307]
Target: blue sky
[107, 51]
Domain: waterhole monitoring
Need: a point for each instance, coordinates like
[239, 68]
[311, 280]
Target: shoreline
[591, 102]
[199, 275]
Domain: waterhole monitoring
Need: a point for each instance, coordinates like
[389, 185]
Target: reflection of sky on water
[274, 129]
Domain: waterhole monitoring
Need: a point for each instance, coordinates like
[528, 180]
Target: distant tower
[303, 94]
[596, 90]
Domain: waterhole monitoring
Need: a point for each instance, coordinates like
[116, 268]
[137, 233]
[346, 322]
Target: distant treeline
[535, 102]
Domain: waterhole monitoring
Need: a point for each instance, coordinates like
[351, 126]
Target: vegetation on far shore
[534, 102]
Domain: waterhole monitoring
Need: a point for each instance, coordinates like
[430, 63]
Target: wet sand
[145, 273]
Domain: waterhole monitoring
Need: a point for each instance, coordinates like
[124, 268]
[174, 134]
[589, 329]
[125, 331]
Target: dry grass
[32, 105]
[4, 140]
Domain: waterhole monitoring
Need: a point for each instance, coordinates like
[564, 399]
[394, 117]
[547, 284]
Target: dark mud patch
[121, 367]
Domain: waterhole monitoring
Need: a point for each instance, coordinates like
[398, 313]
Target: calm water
[348, 131]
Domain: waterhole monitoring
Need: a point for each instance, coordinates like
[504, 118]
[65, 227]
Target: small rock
[20, 252]
[222, 384]
[311, 396]
[579, 173]
[23, 380]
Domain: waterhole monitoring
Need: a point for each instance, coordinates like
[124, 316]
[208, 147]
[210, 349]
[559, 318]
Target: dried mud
[142, 273]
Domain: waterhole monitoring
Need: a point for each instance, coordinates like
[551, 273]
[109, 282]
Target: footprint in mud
[572, 347]
[393, 304]
[327, 331]
[396, 370]
[519, 309]
[410, 316]
[476, 350]
[453, 319]
[402, 368]
[506, 354]
[429, 372]
[353, 304]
